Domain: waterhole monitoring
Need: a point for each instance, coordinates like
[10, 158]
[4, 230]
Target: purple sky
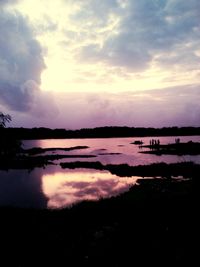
[74, 64]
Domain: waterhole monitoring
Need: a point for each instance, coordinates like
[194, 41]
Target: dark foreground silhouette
[36, 157]
[154, 224]
[184, 169]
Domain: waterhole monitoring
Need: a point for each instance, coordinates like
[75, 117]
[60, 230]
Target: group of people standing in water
[154, 142]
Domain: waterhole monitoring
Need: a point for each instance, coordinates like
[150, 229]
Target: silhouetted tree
[9, 146]
[4, 118]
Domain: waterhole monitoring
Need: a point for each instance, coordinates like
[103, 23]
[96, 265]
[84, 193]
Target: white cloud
[151, 28]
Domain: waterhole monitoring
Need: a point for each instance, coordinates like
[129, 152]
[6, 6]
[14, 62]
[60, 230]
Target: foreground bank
[154, 223]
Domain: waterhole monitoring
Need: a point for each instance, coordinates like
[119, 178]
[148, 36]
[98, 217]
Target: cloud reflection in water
[72, 186]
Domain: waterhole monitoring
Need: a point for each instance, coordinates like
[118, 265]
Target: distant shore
[100, 132]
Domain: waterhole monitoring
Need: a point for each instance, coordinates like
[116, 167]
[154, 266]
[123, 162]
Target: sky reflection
[72, 186]
[21, 188]
[54, 187]
[128, 152]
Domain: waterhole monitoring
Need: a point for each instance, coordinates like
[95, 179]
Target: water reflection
[54, 187]
[20, 188]
[102, 147]
[72, 186]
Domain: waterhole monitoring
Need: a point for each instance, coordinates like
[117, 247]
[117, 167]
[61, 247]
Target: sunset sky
[87, 63]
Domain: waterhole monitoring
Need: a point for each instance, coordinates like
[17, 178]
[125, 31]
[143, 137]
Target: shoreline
[100, 132]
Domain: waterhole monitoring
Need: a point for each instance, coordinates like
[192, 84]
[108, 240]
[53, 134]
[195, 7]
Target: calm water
[103, 146]
[54, 187]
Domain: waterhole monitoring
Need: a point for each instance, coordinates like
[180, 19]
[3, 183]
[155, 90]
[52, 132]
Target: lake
[53, 187]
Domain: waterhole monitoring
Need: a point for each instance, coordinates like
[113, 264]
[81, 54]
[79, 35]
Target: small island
[177, 148]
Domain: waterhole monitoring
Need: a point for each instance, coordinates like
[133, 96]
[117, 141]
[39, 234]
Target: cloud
[21, 62]
[95, 10]
[6, 2]
[174, 106]
[164, 32]
[135, 108]
[114, 44]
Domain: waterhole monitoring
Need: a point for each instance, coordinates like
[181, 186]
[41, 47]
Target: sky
[89, 63]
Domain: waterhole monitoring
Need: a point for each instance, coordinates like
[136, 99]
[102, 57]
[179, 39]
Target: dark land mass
[100, 132]
[31, 162]
[31, 158]
[190, 148]
[154, 224]
[39, 150]
[137, 142]
[184, 169]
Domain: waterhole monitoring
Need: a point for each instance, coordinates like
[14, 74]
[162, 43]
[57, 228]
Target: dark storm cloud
[148, 29]
[21, 62]
[5, 2]
[16, 97]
